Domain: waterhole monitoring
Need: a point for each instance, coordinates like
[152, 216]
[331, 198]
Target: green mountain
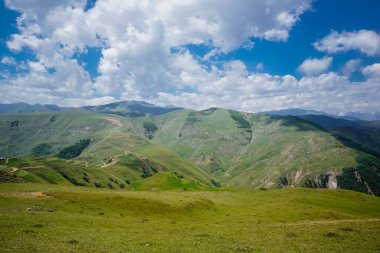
[184, 149]
[361, 135]
[114, 148]
[27, 108]
[131, 108]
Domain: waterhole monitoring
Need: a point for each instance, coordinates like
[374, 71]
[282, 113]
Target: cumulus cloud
[260, 66]
[6, 60]
[137, 39]
[365, 41]
[144, 56]
[259, 92]
[351, 66]
[314, 66]
[372, 71]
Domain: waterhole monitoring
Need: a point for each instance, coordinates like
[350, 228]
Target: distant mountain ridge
[370, 116]
[292, 112]
[130, 108]
[134, 108]
[27, 108]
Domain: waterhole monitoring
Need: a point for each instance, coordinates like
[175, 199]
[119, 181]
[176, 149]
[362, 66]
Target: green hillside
[113, 142]
[21, 133]
[210, 148]
[249, 150]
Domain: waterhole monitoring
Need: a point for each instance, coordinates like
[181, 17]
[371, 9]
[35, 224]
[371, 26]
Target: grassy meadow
[60, 218]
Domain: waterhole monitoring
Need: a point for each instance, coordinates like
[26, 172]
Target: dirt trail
[13, 169]
[114, 161]
[324, 222]
[26, 194]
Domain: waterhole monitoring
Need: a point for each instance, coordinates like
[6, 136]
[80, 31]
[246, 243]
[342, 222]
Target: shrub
[214, 183]
[150, 126]
[41, 149]
[74, 150]
[240, 120]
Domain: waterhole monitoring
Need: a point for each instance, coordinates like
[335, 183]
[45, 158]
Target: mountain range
[367, 116]
[140, 145]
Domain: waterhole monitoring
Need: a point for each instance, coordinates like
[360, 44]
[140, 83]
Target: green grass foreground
[57, 218]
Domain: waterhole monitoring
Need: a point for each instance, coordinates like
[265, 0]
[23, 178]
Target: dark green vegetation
[150, 129]
[58, 218]
[42, 149]
[368, 173]
[209, 148]
[74, 150]
[362, 135]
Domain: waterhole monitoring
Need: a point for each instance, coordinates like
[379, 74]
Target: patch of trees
[41, 149]
[74, 150]
[240, 120]
[363, 178]
[150, 126]
[52, 119]
[214, 183]
[150, 129]
[192, 118]
[71, 179]
[13, 124]
[208, 111]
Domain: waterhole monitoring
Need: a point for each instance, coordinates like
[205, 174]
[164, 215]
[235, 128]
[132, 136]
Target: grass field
[58, 218]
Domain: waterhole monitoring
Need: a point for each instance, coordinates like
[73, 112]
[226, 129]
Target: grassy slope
[238, 149]
[127, 174]
[278, 146]
[79, 219]
[285, 146]
[112, 139]
[58, 129]
[125, 139]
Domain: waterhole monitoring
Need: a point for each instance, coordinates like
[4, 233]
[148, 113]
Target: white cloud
[6, 60]
[137, 37]
[351, 66]
[372, 72]
[367, 42]
[260, 66]
[257, 92]
[313, 66]
[144, 56]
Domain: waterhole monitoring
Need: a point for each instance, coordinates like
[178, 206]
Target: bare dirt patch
[114, 121]
[26, 194]
[324, 222]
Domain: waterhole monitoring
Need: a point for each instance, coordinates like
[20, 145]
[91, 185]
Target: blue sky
[245, 55]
